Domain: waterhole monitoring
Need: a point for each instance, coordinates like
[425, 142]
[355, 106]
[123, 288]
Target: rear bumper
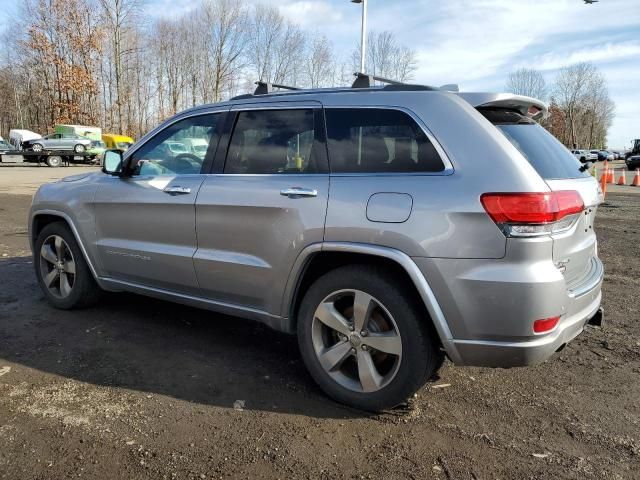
[484, 353]
[490, 309]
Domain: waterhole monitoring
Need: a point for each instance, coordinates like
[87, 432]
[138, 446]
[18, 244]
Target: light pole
[362, 32]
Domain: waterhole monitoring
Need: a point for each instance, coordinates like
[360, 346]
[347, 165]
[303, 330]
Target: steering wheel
[186, 163]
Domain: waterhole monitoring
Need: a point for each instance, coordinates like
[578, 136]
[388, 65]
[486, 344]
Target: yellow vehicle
[121, 142]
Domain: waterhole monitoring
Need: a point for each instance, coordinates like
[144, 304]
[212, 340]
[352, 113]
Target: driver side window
[179, 149]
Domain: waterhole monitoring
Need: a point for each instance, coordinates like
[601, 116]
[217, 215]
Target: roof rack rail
[365, 80]
[264, 88]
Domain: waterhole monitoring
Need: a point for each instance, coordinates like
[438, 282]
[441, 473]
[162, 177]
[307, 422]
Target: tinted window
[544, 152]
[274, 141]
[370, 140]
[166, 154]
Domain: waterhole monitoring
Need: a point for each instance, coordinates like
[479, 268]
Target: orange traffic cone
[636, 179]
[605, 174]
[622, 180]
[610, 175]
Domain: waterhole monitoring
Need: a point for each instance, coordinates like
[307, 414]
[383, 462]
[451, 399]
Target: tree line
[581, 110]
[101, 62]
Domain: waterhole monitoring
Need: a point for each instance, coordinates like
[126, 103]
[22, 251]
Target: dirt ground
[140, 388]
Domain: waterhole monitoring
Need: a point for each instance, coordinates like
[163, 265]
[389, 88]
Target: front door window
[169, 152]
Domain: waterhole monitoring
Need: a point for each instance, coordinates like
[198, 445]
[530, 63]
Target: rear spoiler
[530, 107]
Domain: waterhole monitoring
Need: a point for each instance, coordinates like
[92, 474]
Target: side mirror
[112, 163]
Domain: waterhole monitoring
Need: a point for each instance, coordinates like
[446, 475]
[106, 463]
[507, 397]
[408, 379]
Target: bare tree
[386, 58]
[226, 41]
[320, 64]
[580, 91]
[275, 46]
[98, 62]
[527, 81]
[120, 16]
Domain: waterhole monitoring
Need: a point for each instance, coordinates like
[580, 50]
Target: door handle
[297, 192]
[177, 190]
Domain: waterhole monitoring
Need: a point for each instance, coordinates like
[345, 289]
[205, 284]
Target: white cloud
[607, 52]
[312, 14]
[169, 9]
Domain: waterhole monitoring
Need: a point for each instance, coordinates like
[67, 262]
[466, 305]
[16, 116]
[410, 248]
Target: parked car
[197, 146]
[97, 148]
[633, 162]
[600, 156]
[120, 142]
[606, 155]
[584, 156]
[5, 147]
[436, 237]
[58, 141]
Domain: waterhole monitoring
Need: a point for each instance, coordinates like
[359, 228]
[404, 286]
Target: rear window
[544, 152]
[376, 140]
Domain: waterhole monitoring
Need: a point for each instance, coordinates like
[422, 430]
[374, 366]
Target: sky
[476, 43]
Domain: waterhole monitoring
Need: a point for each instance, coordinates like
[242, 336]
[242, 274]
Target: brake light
[545, 325]
[526, 214]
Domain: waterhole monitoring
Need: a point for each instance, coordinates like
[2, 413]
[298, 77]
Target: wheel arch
[318, 259]
[42, 218]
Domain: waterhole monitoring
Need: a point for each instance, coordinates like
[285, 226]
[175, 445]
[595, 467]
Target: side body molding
[421, 284]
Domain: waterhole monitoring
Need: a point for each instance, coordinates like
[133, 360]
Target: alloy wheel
[57, 266]
[356, 341]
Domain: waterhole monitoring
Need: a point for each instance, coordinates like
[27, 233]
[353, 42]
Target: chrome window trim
[166, 124]
[446, 161]
[277, 105]
[278, 175]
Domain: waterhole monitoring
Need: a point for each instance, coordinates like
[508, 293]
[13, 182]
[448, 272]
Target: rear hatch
[574, 250]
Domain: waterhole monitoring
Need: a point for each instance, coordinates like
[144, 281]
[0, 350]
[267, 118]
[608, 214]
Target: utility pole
[363, 32]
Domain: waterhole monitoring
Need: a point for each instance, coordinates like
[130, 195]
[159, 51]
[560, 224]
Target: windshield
[545, 153]
[177, 147]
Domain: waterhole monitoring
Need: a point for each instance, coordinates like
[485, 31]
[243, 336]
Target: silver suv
[386, 226]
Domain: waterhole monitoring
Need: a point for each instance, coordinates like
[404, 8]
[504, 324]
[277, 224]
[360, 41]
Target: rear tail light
[545, 325]
[532, 214]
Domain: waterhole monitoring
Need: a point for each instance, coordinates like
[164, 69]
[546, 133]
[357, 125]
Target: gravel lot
[139, 388]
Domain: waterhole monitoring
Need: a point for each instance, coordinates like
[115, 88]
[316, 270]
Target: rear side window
[375, 140]
[274, 142]
[544, 152]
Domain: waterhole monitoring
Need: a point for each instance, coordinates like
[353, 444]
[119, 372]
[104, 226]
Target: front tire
[61, 270]
[364, 339]
[79, 148]
[36, 147]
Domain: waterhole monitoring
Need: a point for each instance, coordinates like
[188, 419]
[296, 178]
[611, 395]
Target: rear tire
[61, 270]
[79, 148]
[54, 161]
[364, 376]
